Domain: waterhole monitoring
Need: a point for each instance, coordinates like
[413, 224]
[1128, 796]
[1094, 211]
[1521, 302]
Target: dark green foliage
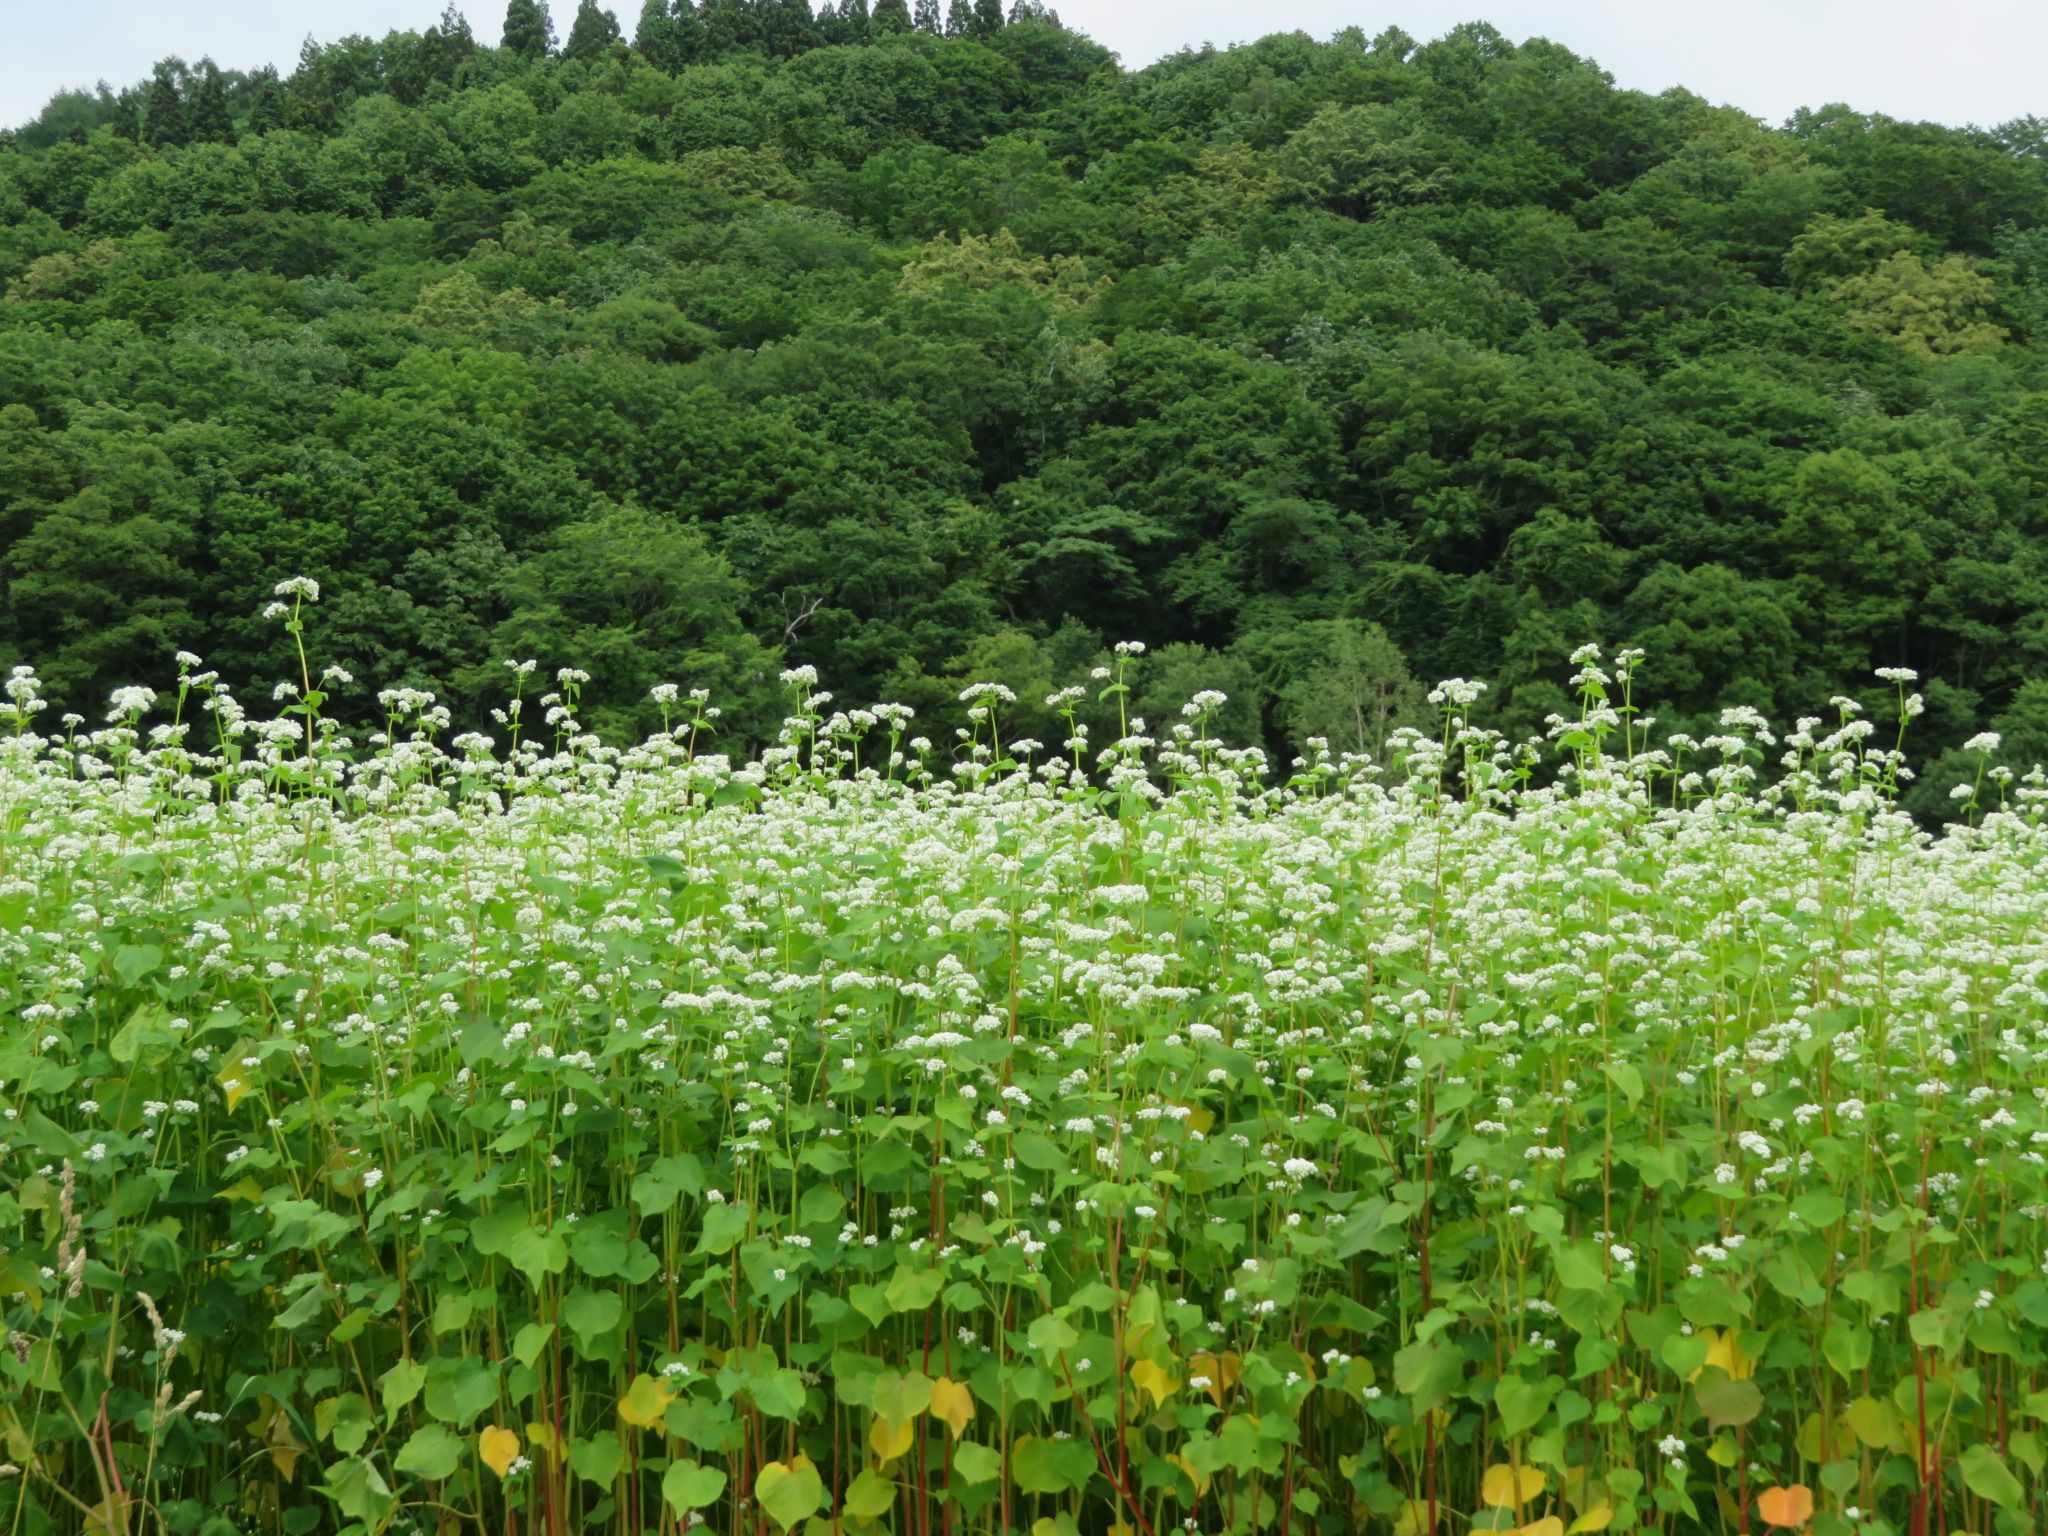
[529, 30]
[207, 119]
[1326, 369]
[163, 110]
[592, 35]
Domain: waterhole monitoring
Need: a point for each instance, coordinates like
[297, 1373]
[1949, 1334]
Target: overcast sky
[1954, 61]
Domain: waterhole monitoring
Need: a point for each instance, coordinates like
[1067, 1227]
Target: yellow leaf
[1413, 1520]
[1199, 1119]
[891, 1437]
[645, 1402]
[1218, 1373]
[1195, 1476]
[284, 1446]
[1724, 1452]
[1504, 1485]
[1724, 1351]
[544, 1436]
[1549, 1525]
[234, 1081]
[498, 1448]
[953, 1403]
[1156, 1382]
[1598, 1518]
[1791, 1507]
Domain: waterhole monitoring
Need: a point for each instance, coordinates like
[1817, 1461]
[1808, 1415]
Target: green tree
[593, 34]
[529, 30]
[636, 599]
[658, 36]
[1931, 311]
[163, 112]
[1339, 680]
[988, 17]
[891, 18]
[207, 119]
[927, 18]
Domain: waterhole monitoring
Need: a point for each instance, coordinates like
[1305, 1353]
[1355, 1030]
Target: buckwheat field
[415, 1133]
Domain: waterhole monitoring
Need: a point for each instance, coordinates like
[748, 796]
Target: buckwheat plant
[1603, 1132]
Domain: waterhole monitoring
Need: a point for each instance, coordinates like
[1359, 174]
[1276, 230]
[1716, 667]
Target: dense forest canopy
[925, 345]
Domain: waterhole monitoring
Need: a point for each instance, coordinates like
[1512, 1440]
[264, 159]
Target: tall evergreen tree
[163, 111]
[729, 26]
[654, 36]
[891, 18]
[988, 17]
[592, 34]
[452, 40]
[786, 28]
[689, 34]
[266, 101]
[529, 30]
[959, 19]
[853, 20]
[207, 119]
[927, 17]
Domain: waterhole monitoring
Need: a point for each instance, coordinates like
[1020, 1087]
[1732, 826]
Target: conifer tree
[689, 31]
[453, 40]
[529, 30]
[592, 34]
[891, 18]
[163, 111]
[729, 25]
[959, 19]
[853, 20]
[654, 36]
[927, 17]
[787, 28]
[207, 119]
[266, 101]
[988, 17]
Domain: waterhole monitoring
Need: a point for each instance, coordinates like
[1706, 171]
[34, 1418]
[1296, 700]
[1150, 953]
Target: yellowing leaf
[1549, 1525]
[1154, 1381]
[1873, 1422]
[789, 1492]
[1195, 1475]
[283, 1445]
[1598, 1518]
[1214, 1374]
[1413, 1520]
[952, 1403]
[645, 1402]
[891, 1437]
[498, 1448]
[544, 1436]
[1504, 1486]
[1791, 1507]
[234, 1081]
[1724, 1351]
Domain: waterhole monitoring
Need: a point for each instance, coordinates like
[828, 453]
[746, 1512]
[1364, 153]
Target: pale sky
[1952, 61]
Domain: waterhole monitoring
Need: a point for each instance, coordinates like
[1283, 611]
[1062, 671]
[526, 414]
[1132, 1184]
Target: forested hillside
[926, 347]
